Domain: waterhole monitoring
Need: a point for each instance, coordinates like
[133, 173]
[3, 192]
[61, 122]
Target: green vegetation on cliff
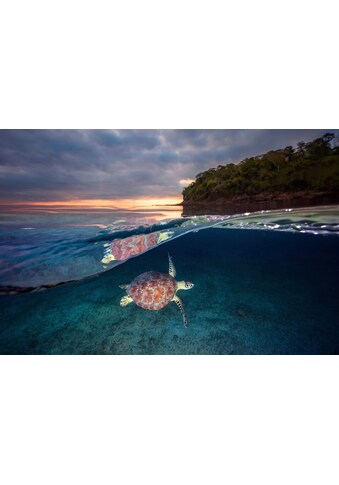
[310, 167]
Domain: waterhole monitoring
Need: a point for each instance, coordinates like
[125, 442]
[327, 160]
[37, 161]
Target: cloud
[48, 165]
[185, 182]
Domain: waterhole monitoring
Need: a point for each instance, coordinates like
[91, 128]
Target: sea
[264, 283]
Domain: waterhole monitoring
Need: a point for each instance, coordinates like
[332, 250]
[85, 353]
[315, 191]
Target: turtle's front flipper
[125, 300]
[108, 255]
[180, 304]
[171, 270]
[107, 258]
[163, 236]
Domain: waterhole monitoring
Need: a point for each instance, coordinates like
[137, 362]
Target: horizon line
[127, 204]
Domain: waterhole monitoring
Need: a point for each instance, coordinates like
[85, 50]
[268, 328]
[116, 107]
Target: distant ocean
[264, 283]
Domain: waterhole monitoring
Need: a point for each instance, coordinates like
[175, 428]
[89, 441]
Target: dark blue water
[256, 292]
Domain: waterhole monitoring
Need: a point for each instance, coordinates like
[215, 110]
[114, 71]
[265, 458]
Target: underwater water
[264, 283]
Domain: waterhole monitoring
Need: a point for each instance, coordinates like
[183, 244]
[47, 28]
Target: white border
[158, 419]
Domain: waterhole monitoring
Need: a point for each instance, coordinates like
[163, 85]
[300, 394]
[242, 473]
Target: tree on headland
[328, 137]
[312, 166]
[301, 148]
[319, 147]
[288, 152]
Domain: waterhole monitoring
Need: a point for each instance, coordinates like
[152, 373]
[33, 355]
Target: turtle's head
[185, 285]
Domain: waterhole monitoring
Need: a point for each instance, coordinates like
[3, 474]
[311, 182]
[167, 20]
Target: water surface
[265, 283]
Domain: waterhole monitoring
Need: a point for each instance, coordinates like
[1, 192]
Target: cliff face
[267, 201]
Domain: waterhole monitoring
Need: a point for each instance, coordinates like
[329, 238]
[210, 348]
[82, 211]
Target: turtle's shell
[152, 290]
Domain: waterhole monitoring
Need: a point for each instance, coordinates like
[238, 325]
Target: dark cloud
[52, 165]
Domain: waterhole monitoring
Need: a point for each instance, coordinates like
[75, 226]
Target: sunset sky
[121, 168]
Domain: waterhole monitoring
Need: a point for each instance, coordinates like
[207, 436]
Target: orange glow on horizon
[128, 204]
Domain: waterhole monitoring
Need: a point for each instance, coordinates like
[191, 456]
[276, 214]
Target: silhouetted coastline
[241, 204]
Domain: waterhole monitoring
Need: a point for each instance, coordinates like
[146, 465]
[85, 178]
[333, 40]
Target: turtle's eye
[189, 284]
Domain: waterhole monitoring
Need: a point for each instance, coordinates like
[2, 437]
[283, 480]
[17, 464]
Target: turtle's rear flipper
[180, 304]
[123, 287]
[171, 269]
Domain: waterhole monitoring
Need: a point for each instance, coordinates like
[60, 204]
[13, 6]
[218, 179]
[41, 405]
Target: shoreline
[265, 201]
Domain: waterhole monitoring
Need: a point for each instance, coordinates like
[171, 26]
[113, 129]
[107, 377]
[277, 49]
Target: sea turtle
[153, 290]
